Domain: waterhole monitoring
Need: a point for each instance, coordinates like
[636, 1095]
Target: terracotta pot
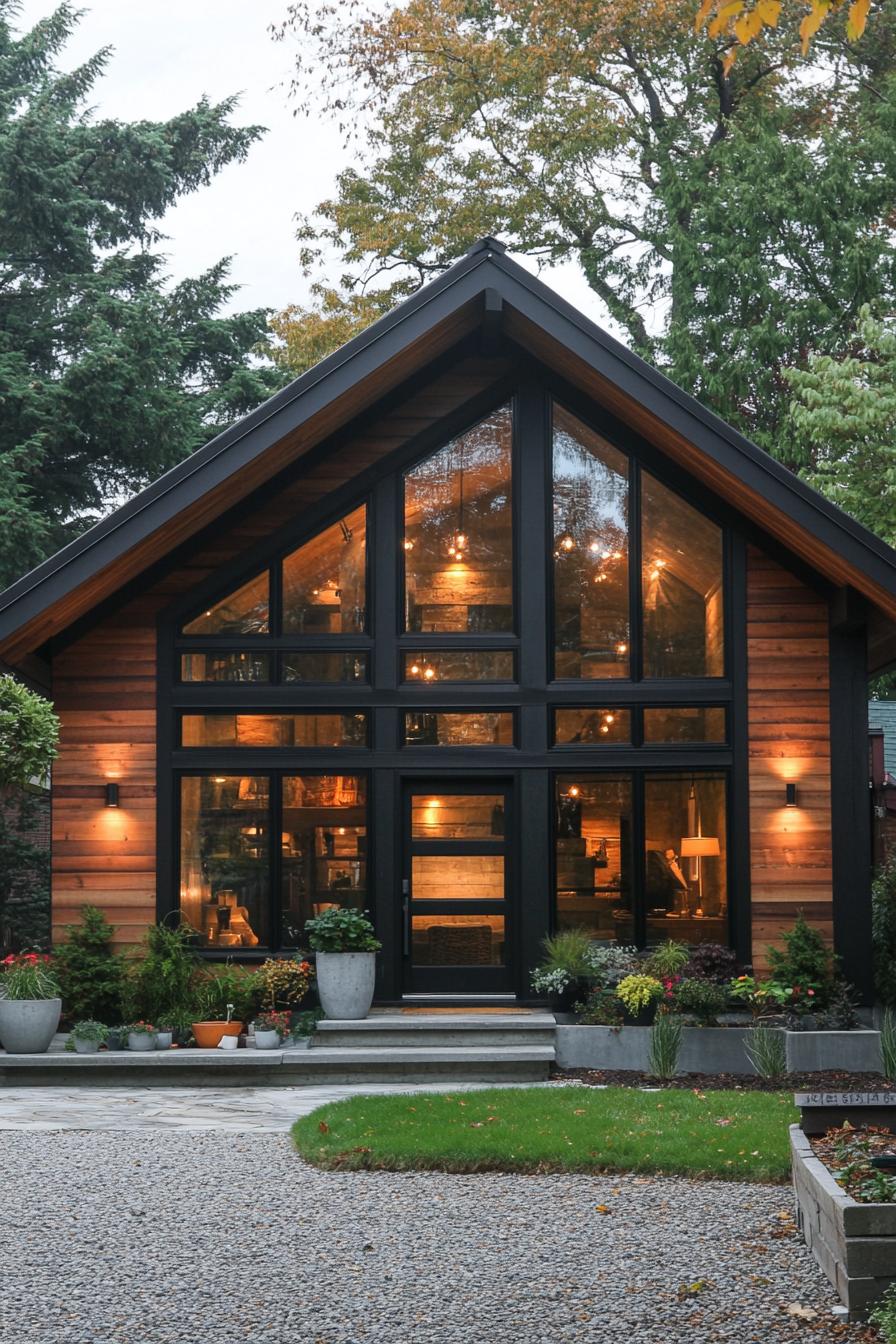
[208, 1034]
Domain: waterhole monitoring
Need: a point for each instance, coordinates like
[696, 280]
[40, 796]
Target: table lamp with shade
[699, 847]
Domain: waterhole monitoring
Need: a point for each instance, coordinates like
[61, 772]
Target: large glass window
[685, 853]
[256, 729]
[245, 611]
[225, 836]
[483, 728]
[433, 668]
[324, 848]
[593, 837]
[458, 537]
[681, 587]
[591, 601]
[325, 580]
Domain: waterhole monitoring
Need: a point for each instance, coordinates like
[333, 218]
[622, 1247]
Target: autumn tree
[108, 373]
[727, 219]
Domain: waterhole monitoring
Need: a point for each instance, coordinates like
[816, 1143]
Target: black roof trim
[485, 266]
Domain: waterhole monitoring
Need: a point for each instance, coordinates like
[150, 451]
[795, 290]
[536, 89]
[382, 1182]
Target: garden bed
[853, 1242]
[831, 1081]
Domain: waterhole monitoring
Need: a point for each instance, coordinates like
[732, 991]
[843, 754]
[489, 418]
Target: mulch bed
[847, 1154]
[832, 1081]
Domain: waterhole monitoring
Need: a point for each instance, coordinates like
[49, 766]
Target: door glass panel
[242, 612]
[432, 668]
[457, 940]
[685, 724]
[458, 540]
[593, 851]
[325, 667]
[686, 883]
[591, 727]
[225, 829]
[274, 730]
[225, 667]
[681, 587]
[324, 847]
[324, 581]
[591, 618]
[479, 729]
[457, 877]
[457, 816]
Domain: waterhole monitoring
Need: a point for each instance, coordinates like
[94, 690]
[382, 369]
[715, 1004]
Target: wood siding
[789, 741]
[104, 683]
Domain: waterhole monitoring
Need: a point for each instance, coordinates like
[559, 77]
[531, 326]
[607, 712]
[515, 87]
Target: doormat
[467, 1012]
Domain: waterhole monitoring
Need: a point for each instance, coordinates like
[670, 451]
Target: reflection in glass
[273, 730]
[434, 667]
[324, 581]
[686, 882]
[225, 828]
[593, 851]
[457, 877]
[685, 724]
[458, 533]
[457, 816]
[591, 727]
[591, 600]
[323, 841]
[482, 728]
[325, 667]
[225, 667]
[457, 940]
[681, 587]
[242, 612]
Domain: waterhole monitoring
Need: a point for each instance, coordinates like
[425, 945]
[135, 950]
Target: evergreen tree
[108, 375]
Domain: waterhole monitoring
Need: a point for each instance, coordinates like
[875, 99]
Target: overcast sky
[166, 55]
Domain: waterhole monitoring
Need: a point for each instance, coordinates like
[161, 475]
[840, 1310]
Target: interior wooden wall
[789, 741]
[105, 691]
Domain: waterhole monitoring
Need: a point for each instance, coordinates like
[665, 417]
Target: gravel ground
[146, 1238]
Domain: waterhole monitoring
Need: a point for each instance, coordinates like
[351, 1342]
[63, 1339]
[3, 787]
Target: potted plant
[140, 1035]
[303, 1026]
[30, 1003]
[270, 1030]
[224, 998]
[345, 946]
[640, 996]
[165, 1035]
[85, 1038]
[566, 970]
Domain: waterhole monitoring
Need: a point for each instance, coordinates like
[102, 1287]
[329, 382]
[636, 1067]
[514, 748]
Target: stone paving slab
[258, 1110]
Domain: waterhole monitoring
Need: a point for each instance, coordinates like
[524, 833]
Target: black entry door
[457, 908]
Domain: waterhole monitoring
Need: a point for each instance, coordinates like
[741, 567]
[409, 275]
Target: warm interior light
[429, 674]
[220, 779]
[567, 543]
[594, 547]
[604, 728]
[574, 791]
[700, 846]
[621, 647]
[611, 718]
[415, 669]
[409, 545]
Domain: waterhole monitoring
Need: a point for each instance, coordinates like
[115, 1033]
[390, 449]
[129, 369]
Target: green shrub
[601, 1008]
[567, 951]
[637, 992]
[665, 1047]
[805, 962]
[91, 976]
[883, 932]
[223, 985]
[339, 930]
[888, 1044]
[28, 735]
[667, 960]
[701, 999]
[884, 1315]
[161, 980]
[711, 961]
[766, 1051]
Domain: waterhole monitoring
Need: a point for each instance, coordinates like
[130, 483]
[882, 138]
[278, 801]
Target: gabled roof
[469, 294]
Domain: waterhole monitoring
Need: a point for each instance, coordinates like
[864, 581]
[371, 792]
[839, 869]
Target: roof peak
[486, 244]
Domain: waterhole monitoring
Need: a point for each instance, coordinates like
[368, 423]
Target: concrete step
[437, 1030]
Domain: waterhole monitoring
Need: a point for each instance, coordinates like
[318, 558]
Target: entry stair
[421, 1046]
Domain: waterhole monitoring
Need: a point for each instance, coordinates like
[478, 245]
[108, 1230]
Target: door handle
[406, 917]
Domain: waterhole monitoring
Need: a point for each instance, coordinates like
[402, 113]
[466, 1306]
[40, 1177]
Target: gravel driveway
[213, 1238]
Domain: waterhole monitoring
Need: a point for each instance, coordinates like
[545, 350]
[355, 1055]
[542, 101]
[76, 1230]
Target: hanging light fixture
[460, 541]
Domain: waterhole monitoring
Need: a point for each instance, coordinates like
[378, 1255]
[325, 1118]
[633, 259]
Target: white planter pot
[266, 1040]
[141, 1040]
[164, 1039]
[86, 1047]
[27, 1026]
[345, 984]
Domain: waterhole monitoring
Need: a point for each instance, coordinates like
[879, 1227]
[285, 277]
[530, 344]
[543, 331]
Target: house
[482, 625]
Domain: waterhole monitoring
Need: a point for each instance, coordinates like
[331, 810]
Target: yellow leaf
[728, 60]
[770, 11]
[813, 21]
[747, 27]
[857, 18]
[725, 15]
[703, 14]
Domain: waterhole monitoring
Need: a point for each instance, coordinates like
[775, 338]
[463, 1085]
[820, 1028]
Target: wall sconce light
[790, 795]
[111, 794]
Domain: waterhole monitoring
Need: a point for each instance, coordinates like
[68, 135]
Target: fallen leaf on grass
[324, 1127]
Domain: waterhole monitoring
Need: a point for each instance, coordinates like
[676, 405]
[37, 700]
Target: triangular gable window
[325, 580]
[245, 611]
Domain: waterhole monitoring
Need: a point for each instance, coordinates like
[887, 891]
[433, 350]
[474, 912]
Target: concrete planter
[854, 1244]
[27, 1026]
[86, 1047]
[345, 984]
[267, 1040]
[141, 1040]
[817, 1051]
[703, 1049]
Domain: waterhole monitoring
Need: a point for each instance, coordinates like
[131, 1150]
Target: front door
[456, 889]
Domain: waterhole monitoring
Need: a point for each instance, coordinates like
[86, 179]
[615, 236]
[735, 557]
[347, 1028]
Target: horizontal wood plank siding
[104, 684]
[788, 674]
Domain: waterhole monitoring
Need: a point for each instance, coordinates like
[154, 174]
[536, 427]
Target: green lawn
[731, 1136]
